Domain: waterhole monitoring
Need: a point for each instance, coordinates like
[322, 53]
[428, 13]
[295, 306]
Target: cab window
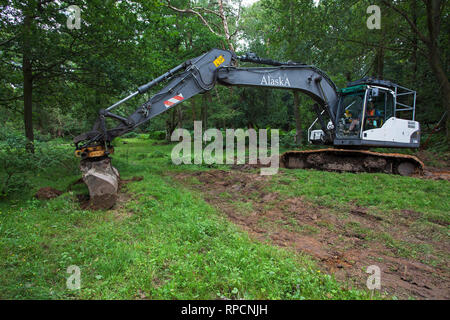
[379, 108]
[351, 106]
[389, 106]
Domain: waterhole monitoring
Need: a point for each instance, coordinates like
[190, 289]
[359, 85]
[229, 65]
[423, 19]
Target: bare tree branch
[237, 20]
[220, 14]
[225, 25]
[198, 14]
[207, 10]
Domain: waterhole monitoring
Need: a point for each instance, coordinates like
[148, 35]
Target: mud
[437, 174]
[438, 168]
[47, 193]
[339, 241]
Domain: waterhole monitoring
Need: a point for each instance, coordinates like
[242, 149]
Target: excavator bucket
[102, 180]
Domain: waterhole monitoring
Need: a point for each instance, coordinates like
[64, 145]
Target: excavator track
[344, 160]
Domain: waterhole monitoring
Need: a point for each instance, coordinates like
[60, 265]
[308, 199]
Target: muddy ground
[339, 241]
[47, 193]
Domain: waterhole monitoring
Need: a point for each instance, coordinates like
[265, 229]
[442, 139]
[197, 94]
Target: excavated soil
[442, 172]
[437, 174]
[326, 234]
[47, 193]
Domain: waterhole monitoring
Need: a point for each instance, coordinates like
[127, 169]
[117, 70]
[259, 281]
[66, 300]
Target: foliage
[157, 135]
[17, 165]
[166, 242]
[14, 162]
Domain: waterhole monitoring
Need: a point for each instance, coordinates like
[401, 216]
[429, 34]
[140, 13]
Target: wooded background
[55, 79]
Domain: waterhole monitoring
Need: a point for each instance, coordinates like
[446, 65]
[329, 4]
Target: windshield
[349, 121]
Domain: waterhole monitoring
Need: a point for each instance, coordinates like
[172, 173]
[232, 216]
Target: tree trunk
[434, 56]
[204, 114]
[298, 123]
[379, 57]
[193, 106]
[226, 29]
[348, 76]
[379, 63]
[102, 180]
[180, 116]
[27, 72]
[414, 44]
[171, 123]
[441, 77]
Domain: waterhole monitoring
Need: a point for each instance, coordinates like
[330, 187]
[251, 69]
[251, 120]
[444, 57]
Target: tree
[95, 61]
[207, 15]
[435, 10]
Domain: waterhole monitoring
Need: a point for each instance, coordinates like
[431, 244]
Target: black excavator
[368, 113]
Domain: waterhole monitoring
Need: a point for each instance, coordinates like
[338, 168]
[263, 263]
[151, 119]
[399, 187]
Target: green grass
[384, 192]
[165, 243]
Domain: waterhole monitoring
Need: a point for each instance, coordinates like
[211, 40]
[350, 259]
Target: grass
[166, 242]
[384, 192]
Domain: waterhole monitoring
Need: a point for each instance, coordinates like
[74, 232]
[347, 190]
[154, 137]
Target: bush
[287, 139]
[42, 137]
[157, 135]
[16, 162]
[131, 134]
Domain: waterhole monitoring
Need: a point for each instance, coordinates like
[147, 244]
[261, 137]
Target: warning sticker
[219, 61]
[174, 100]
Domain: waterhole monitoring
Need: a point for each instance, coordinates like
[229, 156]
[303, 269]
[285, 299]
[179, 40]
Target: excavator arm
[306, 79]
[200, 75]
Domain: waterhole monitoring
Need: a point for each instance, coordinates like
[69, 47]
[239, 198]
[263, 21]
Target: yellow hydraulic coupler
[93, 152]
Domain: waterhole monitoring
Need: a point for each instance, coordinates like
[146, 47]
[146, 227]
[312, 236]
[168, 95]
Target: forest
[178, 232]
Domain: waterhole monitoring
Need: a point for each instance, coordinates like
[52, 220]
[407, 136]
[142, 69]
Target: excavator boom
[200, 75]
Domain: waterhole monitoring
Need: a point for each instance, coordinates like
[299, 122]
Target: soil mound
[47, 193]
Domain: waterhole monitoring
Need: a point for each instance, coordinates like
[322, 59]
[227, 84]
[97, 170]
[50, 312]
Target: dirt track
[326, 234]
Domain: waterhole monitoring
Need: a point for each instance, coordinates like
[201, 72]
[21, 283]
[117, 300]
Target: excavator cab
[375, 113]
